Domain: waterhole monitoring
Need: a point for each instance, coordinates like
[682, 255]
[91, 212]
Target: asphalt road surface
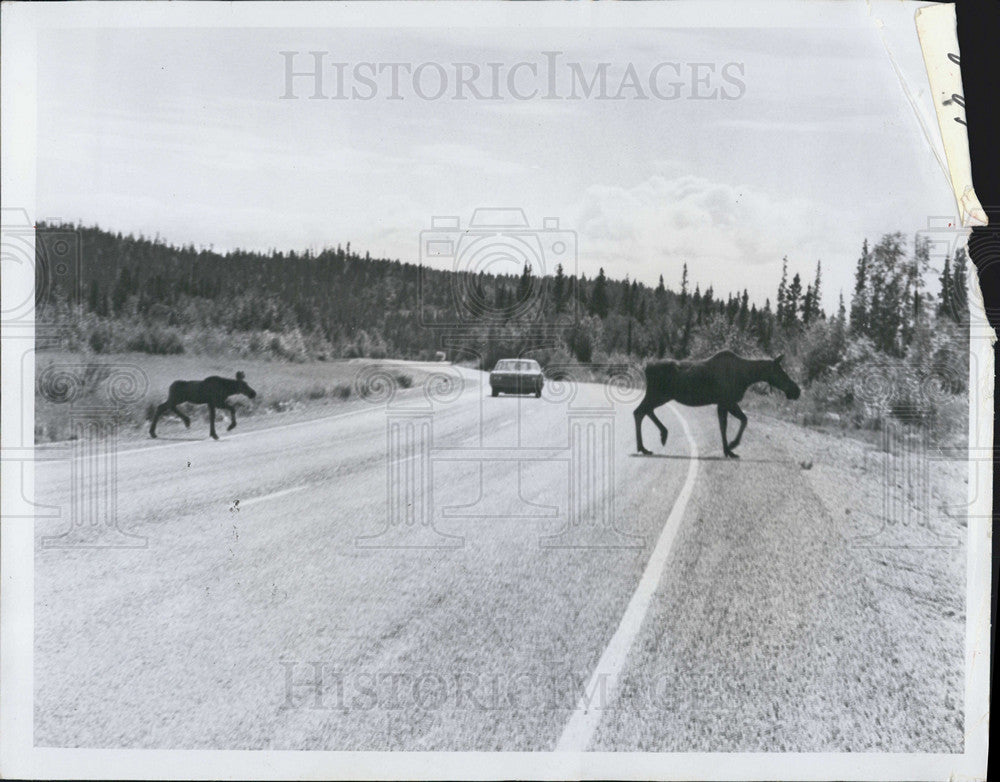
[468, 573]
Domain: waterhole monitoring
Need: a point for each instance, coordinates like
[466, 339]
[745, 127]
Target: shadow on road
[682, 457]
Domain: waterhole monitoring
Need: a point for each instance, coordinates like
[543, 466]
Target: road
[292, 590]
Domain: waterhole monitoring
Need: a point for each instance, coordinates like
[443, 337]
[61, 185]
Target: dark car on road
[517, 376]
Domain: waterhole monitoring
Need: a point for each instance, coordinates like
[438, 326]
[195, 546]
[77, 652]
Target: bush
[366, 346]
[158, 341]
[580, 344]
[718, 334]
[100, 339]
[822, 348]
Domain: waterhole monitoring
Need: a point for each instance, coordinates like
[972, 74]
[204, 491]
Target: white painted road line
[271, 496]
[580, 729]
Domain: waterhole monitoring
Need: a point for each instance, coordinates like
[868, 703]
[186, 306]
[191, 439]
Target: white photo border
[18, 755]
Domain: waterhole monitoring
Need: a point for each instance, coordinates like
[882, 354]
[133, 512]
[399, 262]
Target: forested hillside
[141, 295]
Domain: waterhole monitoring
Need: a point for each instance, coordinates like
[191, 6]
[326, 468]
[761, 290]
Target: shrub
[93, 375]
[289, 346]
[580, 344]
[821, 349]
[100, 338]
[158, 341]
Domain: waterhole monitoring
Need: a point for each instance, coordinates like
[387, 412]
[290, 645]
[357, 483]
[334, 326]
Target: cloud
[730, 236]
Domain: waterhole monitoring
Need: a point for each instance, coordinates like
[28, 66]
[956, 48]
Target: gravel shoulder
[810, 604]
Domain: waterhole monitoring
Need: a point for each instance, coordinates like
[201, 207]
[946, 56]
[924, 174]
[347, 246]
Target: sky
[827, 137]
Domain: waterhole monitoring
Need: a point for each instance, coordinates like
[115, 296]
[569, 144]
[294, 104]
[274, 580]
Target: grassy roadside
[135, 383]
[836, 405]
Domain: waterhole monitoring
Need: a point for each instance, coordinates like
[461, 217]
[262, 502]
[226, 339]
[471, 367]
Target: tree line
[136, 293]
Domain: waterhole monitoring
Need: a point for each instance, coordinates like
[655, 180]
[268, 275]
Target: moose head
[243, 387]
[777, 377]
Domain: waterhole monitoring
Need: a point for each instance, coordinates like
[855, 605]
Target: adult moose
[720, 380]
[212, 391]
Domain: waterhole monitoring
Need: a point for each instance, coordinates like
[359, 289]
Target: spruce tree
[807, 305]
[599, 296]
[782, 291]
[817, 310]
[559, 289]
[793, 298]
[947, 295]
[960, 285]
[859, 304]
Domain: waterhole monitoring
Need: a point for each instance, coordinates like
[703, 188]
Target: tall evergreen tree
[559, 289]
[524, 284]
[660, 300]
[840, 324]
[807, 305]
[599, 296]
[913, 287]
[793, 301]
[960, 284]
[782, 291]
[859, 304]
[744, 311]
[946, 296]
[817, 307]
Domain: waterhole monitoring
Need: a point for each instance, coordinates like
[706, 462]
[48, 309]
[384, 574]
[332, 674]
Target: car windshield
[509, 365]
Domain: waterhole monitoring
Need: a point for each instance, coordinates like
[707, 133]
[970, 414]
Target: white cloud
[731, 237]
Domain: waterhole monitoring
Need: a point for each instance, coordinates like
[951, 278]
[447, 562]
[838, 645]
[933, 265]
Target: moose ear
[240, 376]
[778, 359]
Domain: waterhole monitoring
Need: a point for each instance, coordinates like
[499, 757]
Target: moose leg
[232, 412]
[647, 407]
[723, 417]
[660, 426]
[184, 418]
[741, 417]
[156, 417]
[211, 418]
[641, 412]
